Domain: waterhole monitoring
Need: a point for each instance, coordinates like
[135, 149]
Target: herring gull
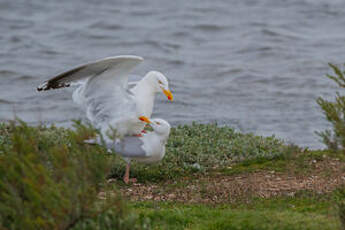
[147, 148]
[107, 97]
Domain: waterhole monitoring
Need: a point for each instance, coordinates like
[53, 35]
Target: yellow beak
[168, 94]
[144, 119]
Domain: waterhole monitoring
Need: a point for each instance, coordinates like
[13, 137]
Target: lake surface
[257, 66]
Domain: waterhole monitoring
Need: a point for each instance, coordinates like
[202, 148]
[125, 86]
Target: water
[257, 66]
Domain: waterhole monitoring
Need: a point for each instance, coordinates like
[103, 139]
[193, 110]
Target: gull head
[160, 126]
[159, 83]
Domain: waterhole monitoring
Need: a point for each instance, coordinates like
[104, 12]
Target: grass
[201, 160]
[200, 148]
[304, 212]
[295, 160]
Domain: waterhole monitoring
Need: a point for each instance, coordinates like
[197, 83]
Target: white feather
[106, 96]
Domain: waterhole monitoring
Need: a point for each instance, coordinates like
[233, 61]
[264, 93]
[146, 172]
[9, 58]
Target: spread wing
[131, 85]
[103, 92]
[121, 65]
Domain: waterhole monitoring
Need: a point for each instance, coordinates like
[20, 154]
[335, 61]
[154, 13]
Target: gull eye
[160, 82]
[158, 123]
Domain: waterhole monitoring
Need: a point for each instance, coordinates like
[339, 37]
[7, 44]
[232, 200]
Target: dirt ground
[323, 177]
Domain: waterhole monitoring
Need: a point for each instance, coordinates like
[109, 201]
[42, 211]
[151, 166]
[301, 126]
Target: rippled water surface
[257, 66]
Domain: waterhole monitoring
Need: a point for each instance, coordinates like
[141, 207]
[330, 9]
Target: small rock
[101, 195]
[148, 197]
[291, 194]
[196, 166]
[172, 196]
[111, 180]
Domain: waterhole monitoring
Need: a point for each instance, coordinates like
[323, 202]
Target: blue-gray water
[257, 66]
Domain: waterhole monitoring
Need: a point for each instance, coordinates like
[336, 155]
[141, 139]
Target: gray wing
[131, 85]
[120, 65]
[106, 99]
[103, 93]
[129, 147]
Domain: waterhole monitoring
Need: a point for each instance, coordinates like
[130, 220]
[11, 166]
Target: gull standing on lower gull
[147, 148]
[107, 97]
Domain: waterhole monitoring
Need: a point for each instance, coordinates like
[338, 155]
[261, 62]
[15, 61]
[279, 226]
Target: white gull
[106, 96]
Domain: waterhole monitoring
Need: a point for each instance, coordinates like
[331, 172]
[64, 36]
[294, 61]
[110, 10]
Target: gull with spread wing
[105, 95]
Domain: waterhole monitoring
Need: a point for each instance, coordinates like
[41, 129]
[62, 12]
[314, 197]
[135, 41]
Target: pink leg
[126, 178]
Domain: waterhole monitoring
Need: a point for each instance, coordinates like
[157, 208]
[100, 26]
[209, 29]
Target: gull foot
[133, 180]
[144, 131]
[129, 180]
[126, 180]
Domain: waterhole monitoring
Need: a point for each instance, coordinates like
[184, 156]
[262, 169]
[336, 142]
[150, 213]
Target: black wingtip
[48, 85]
[43, 86]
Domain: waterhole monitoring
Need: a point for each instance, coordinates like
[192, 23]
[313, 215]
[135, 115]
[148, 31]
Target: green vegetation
[204, 147]
[335, 114]
[341, 205]
[304, 212]
[50, 180]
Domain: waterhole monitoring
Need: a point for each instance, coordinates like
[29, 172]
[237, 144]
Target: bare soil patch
[324, 177]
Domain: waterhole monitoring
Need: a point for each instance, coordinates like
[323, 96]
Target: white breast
[144, 97]
[154, 148]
